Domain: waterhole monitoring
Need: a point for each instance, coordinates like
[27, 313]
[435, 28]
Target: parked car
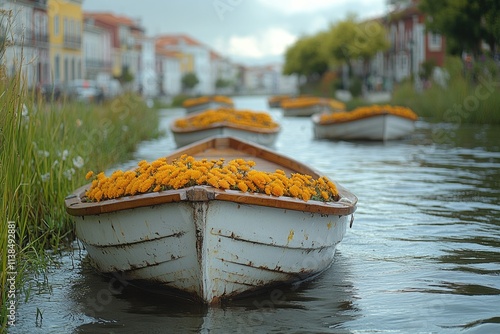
[84, 91]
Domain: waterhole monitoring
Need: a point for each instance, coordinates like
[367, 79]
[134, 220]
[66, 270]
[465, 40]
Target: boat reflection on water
[108, 303]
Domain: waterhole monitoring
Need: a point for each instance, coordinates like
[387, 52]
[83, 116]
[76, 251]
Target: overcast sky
[246, 31]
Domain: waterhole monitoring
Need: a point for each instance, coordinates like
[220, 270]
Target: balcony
[98, 64]
[72, 42]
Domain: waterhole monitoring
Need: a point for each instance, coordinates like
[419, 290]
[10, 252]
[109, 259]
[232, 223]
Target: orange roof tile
[176, 40]
[112, 18]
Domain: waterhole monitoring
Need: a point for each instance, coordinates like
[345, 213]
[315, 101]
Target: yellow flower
[309, 101]
[225, 116]
[187, 171]
[205, 99]
[242, 186]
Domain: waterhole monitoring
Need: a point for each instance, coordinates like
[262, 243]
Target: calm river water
[423, 255]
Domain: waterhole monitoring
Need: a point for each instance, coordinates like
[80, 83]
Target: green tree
[304, 57]
[189, 80]
[125, 76]
[222, 83]
[465, 24]
[350, 40]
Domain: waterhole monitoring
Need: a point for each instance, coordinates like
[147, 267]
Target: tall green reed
[45, 151]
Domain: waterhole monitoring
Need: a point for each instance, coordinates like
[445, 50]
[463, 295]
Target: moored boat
[207, 102]
[275, 100]
[209, 242]
[379, 123]
[306, 106]
[257, 127]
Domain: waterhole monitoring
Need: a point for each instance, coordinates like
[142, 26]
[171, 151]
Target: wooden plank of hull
[213, 243]
[379, 127]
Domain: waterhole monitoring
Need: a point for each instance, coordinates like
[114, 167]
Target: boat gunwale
[77, 206]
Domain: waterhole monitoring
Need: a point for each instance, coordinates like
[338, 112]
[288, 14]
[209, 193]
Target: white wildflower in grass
[69, 173]
[43, 153]
[55, 163]
[45, 177]
[64, 155]
[78, 162]
[25, 113]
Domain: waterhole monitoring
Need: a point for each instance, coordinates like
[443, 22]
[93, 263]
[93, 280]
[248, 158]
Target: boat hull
[306, 111]
[183, 138]
[378, 127]
[212, 250]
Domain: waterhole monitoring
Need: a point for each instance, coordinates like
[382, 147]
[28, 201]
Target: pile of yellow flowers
[186, 171]
[205, 99]
[225, 116]
[277, 98]
[335, 105]
[367, 111]
[309, 101]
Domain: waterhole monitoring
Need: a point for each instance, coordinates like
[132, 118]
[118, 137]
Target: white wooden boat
[214, 244]
[206, 106]
[308, 106]
[266, 137]
[379, 127]
[257, 127]
[305, 111]
[275, 100]
[207, 102]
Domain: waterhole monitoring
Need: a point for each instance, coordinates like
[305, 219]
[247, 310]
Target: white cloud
[301, 6]
[271, 42]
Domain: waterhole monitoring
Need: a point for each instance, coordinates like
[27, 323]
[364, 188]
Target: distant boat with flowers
[274, 101]
[207, 102]
[306, 106]
[375, 122]
[258, 127]
[214, 220]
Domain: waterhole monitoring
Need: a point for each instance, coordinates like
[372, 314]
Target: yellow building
[65, 39]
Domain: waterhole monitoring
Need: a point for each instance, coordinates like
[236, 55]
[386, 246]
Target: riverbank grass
[460, 102]
[45, 150]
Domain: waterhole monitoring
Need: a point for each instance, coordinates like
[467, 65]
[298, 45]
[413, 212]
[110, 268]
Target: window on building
[434, 42]
[66, 70]
[57, 72]
[56, 25]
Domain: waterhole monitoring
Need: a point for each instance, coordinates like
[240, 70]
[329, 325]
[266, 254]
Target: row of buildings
[56, 42]
[411, 45]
